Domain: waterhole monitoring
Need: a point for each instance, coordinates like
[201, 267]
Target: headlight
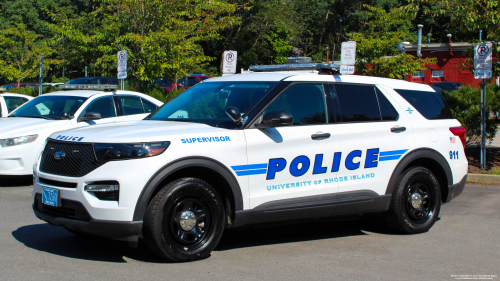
[18, 140]
[122, 151]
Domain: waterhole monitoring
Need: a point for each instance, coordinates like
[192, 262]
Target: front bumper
[456, 189]
[104, 228]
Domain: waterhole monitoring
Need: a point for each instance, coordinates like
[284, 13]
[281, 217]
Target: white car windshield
[49, 107]
[207, 102]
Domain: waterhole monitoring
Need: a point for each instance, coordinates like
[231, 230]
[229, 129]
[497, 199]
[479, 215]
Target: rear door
[373, 134]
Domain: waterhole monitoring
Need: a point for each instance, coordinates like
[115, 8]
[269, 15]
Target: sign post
[229, 62]
[41, 76]
[482, 70]
[122, 68]
[348, 57]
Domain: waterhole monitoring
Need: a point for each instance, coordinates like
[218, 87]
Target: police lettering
[300, 165]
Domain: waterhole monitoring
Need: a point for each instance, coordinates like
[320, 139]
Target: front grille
[57, 183]
[69, 209]
[78, 161]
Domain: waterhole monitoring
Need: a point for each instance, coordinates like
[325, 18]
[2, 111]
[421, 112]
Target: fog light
[102, 187]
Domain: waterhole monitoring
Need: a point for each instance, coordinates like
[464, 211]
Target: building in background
[447, 68]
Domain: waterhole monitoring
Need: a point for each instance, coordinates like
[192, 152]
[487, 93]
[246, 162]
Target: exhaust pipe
[419, 40]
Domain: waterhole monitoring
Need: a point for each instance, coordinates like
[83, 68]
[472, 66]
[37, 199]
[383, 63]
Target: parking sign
[229, 64]
[482, 55]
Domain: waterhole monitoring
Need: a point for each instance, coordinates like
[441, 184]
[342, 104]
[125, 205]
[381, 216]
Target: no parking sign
[229, 62]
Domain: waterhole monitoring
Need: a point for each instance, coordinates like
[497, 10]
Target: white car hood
[22, 126]
[135, 131]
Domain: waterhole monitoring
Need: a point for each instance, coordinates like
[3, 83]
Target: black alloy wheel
[415, 202]
[419, 201]
[184, 221]
[189, 221]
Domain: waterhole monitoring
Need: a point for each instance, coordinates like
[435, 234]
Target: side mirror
[234, 113]
[276, 118]
[91, 116]
[65, 116]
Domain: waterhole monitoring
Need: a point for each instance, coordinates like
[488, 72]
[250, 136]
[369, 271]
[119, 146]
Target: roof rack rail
[98, 87]
[322, 68]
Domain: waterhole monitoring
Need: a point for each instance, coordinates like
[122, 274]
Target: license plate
[50, 196]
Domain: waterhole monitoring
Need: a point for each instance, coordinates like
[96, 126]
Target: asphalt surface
[463, 243]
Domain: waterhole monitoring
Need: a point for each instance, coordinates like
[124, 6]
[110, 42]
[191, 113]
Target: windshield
[207, 102]
[49, 107]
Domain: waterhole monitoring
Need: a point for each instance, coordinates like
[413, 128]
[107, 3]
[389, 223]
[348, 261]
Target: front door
[293, 161]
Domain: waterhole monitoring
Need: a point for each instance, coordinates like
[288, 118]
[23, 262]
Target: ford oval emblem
[59, 155]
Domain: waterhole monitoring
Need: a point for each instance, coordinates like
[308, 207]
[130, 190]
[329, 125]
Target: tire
[184, 221]
[415, 203]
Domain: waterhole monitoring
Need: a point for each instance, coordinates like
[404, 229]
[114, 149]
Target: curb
[483, 178]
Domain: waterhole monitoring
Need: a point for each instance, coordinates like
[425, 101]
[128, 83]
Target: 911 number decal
[453, 155]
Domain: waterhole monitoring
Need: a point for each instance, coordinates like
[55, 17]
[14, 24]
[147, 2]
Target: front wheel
[416, 201]
[184, 221]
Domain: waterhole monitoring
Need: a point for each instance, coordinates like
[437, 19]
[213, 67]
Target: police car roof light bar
[322, 68]
[98, 87]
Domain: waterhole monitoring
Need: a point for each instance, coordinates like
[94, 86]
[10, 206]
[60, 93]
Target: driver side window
[105, 106]
[306, 103]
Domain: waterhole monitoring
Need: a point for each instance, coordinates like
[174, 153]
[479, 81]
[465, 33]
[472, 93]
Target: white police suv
[256, 148]
[24, 131]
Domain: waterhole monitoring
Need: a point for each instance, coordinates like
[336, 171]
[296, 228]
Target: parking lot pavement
[465, 241]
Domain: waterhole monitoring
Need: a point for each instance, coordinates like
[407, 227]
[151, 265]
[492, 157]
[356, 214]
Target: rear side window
[357, 103]
[131, 105]
[430, 104]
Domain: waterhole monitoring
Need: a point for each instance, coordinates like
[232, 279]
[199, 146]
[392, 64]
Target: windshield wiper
[37, 116]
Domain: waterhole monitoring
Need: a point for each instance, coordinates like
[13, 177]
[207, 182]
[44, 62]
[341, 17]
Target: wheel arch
[207, 169]
[430, 159]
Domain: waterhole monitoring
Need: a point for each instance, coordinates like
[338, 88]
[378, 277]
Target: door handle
[320, 136]
[398, 129]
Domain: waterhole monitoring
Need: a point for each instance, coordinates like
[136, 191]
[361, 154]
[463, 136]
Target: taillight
[461, 133]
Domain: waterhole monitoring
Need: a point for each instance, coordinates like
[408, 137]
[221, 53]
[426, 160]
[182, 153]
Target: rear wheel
[416, 201]
[184, 221]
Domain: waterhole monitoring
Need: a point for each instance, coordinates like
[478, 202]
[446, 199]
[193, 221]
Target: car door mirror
[276, 118]
[91, 116]
[65, 116]
[234, 113]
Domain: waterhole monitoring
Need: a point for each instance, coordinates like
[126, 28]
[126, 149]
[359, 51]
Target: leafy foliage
[375, 52]
[465, 106]
[20, 53]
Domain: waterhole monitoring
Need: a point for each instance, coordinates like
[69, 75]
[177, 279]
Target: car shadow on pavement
[15, 181]
[303, 231]
[58, 241]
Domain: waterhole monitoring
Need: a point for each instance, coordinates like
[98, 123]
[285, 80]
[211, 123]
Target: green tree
[376, 50]
[20, 52]
[470, 16]
[161, 37]
[465, 106]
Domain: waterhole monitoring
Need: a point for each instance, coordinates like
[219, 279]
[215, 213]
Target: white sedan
[9, 102]
[24, 131]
